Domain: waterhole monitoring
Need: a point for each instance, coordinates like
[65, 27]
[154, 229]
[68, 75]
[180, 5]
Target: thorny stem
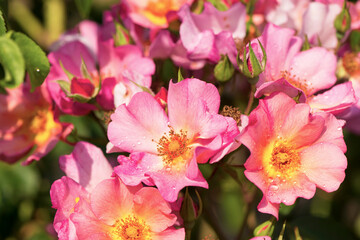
[251, 100]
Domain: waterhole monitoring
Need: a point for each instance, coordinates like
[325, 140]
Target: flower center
[283, 162]
[174, 149]
[42, 126]
[156, 10]
[301, 84]
[351, 63]
[130, 228]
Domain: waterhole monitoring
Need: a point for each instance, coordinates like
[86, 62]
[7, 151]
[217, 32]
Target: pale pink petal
[267, 207]
[277, 107]
[170, 183]
[88, 226]
[281, 46]
[318, 24]
[162, 46]
[288, 192]
[149, 204]
[64, 193]
[324, 164]
[180, 58]
[111, 200]
[335, 101]
[280, 85]
[170, 234]
[114, 60]
[230, 139]
[189, 103]
[135, 127]
[314, 69]
[333, 133]
[133, 169]
[86, 165]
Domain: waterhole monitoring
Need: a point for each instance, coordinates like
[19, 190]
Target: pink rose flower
[116, 211]
[153, 13]
[29, 127]
[209, 35]
[301, 73]
[123, 65]
[292, 151]
[88, 193]
[166, 146]
[85, 167]
[318, 24]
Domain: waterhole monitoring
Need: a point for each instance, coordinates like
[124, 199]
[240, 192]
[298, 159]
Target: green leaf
[12, 62]
[3, 91]
[64, 85]
[84, 7]
[85, 71]
[306, 45]
[224, 69]
[355, 40]
[68, 74]
[2, 24]
[121, 36]
[219, 5]
[36, 62]
[180, 76]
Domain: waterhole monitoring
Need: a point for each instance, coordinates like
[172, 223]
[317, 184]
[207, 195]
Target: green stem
[251, 100]
[99, 122]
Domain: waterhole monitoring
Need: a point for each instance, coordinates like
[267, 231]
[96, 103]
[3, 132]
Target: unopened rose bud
[188, 213]
[121, 36]
[224, 69]
[252, 66]
[342, 21]
[264, 229]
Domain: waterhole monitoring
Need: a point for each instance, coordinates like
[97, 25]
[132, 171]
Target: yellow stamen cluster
[42, 125]
[156, 10]
[173, 148]
[130, 228]
[283, 161]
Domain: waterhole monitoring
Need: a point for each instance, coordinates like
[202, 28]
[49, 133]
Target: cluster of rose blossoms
[296, 55]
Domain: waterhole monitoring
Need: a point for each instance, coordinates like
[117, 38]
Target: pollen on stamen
[351, 63]
[285, 161]
[131, 228]
[173, 145]
[232, 112]
[302, 84]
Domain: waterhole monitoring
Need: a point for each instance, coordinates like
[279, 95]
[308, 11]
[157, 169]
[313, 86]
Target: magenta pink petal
[136, 127]
[86, 165]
